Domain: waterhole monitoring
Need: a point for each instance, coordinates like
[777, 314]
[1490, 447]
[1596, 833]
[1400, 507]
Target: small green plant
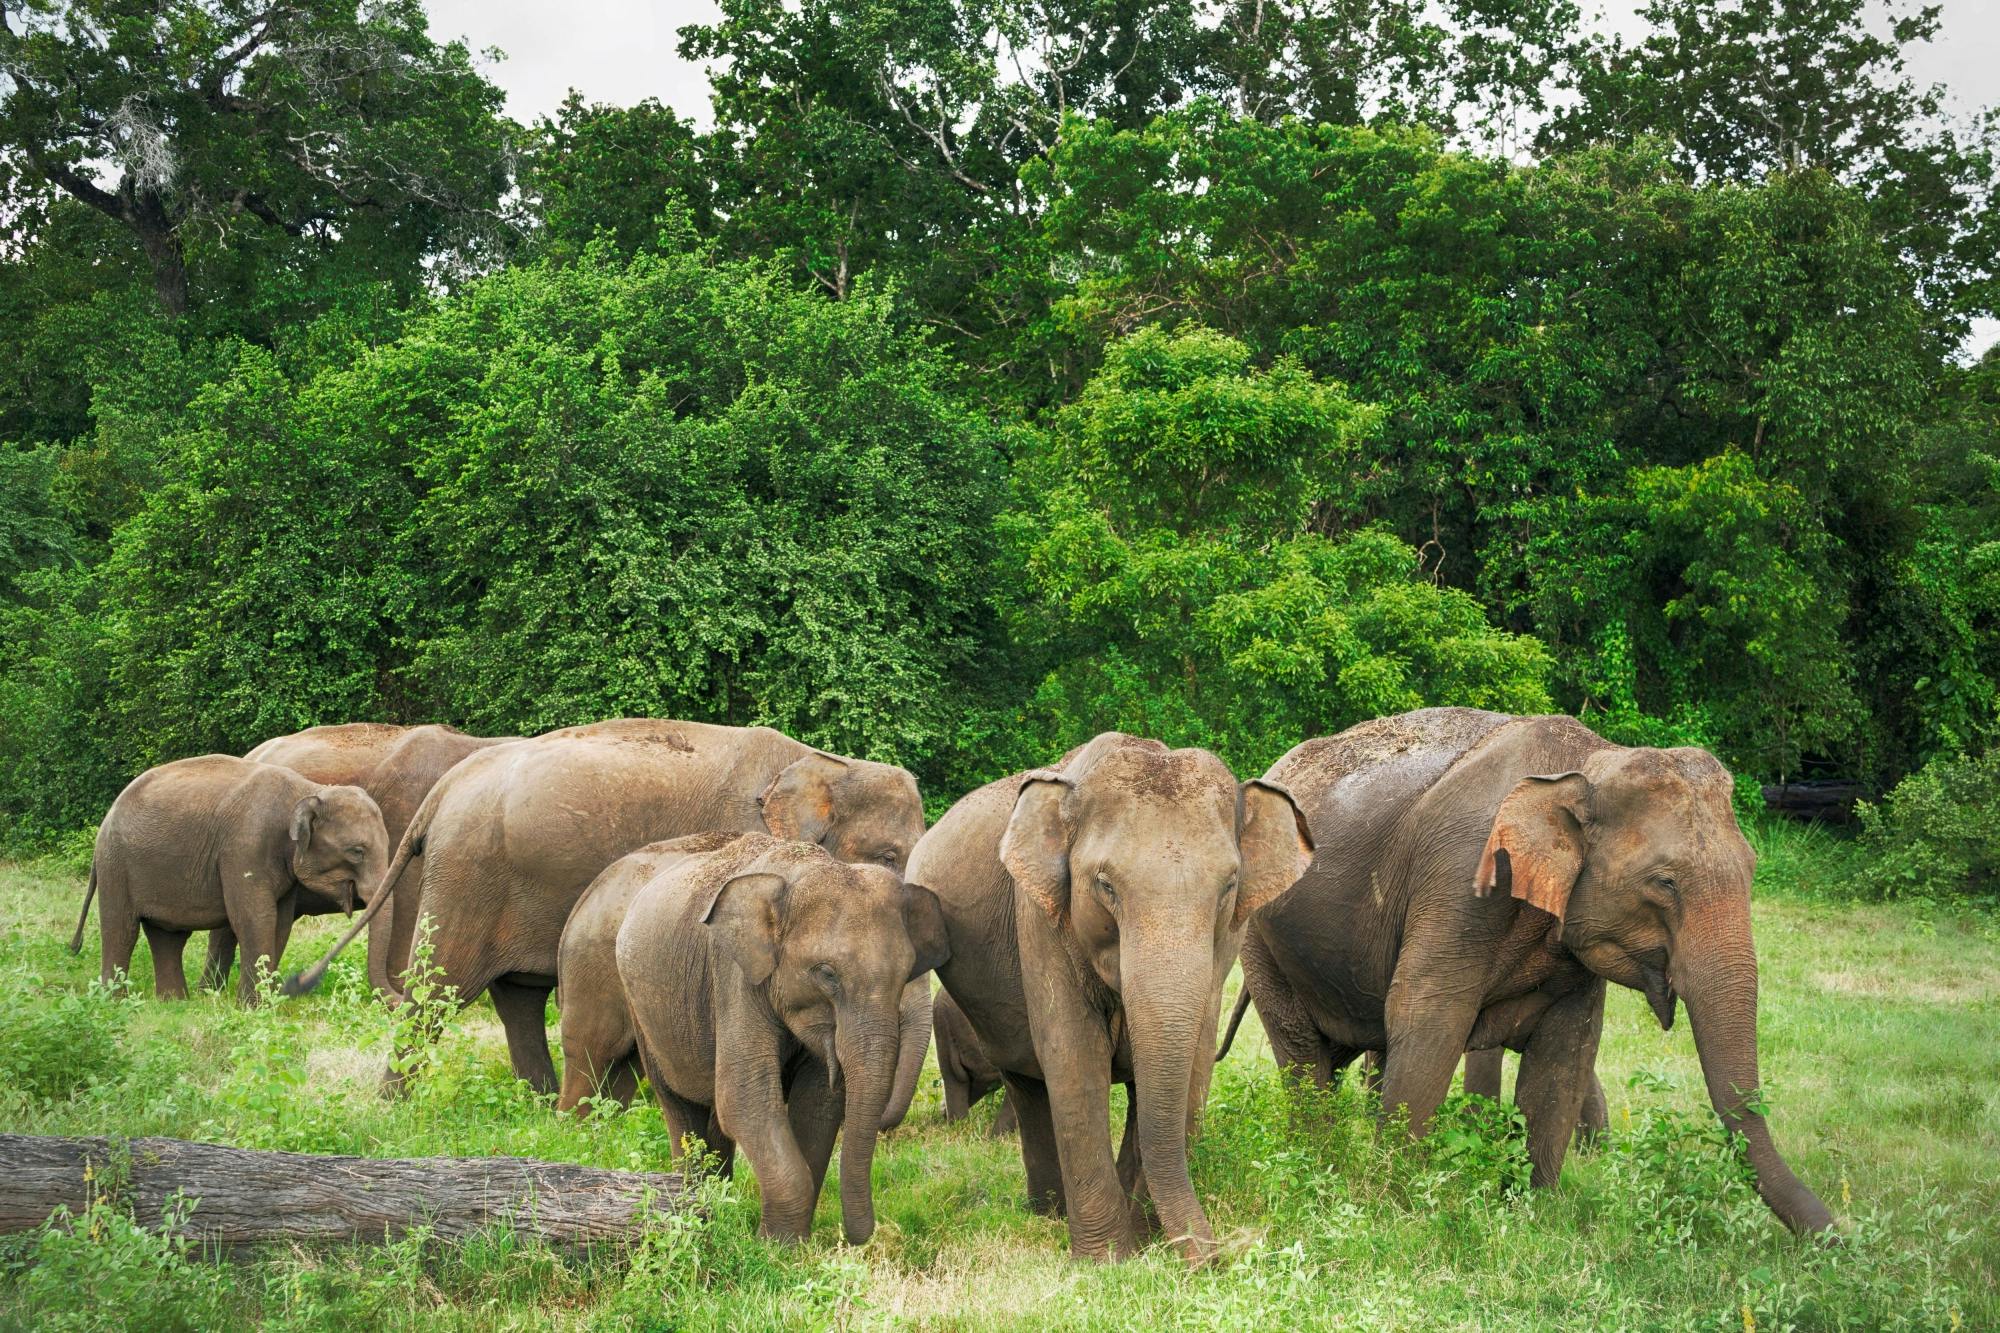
[1936, 835]
[54, 1043]
[136, 1278]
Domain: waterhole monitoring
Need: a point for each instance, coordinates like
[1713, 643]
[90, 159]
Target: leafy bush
[136, 1279]
[54, 1043]
[1937, 833]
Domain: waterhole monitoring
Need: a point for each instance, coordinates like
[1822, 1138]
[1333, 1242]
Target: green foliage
[1936, 834]
[1170, 575]
[56, 1043]
[135, 1278]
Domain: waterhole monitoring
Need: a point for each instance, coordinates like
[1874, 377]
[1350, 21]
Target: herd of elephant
[749, 923]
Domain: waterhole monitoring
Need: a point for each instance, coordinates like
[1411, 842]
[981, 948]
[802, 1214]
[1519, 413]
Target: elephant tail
[412, 844]
[83, 917]
[1235, 1021]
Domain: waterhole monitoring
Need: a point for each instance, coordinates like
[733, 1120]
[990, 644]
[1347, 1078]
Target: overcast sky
[620, 51]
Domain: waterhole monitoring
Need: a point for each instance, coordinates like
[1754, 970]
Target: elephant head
[1638, 857]
[863, 812]
[340, 847]
[828, 948]
[1149, 862]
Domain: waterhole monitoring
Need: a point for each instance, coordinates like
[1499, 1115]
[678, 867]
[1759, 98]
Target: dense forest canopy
[989, 374]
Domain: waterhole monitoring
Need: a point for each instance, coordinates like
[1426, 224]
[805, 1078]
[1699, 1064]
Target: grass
[1881, 1046]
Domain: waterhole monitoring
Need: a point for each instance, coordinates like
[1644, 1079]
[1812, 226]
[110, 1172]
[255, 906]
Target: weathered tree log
[243, 1198]
[1829, 799]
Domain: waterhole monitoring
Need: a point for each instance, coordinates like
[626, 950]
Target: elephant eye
[1667, 882]
[357, 852]
[825, 978]
[1106, 894]
[888, 858]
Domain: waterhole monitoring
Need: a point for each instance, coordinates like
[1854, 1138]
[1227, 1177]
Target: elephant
[513, 835]
[1482, 878]
[395, 765]
[217, 841]
[759, 982]
[967, 1074]
[1093, 910]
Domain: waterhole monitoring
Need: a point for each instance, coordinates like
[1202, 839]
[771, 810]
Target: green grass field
[1881, 1048]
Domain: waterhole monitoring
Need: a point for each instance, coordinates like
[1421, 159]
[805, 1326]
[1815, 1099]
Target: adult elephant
[395, 765]
[1483, 877]
[1093, 910]
[513, 835]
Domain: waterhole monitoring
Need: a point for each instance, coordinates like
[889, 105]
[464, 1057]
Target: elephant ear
[924, 919]
[799, 802]
[1535, 851]
[745, 918]
[1035, 849]
[304, 814]
[1274, 841]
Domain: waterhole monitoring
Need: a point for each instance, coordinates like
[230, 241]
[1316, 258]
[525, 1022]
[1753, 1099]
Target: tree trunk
[243, 1198]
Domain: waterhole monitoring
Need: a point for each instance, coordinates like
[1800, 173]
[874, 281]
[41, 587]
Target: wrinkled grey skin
[395, 765]
[759, 982]
[1094, 909]
[967, 1074]
[1481, 879]
[512, 835]
[220, 842]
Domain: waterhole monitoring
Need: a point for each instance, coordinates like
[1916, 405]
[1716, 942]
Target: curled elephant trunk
[914, 1045]
[867, 1056]
[1715, 973]
[1164, 992]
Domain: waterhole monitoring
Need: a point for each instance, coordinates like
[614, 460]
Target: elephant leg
[1427, 1034]
[524, 1007]
[595, 1064]
[254, 916]
[117, 929]
[1131, 1174]
[1038, 1144]
[221, 958]
[1006, 1122]
[1483, 1072]
[957, 1093]
[168, 948]
[721, 1145]
[460, 973]
[1596, 1116]
[1556, 1072]
[1296, 1041]
[404, 909]
[814, 1109]
[1079, 1100]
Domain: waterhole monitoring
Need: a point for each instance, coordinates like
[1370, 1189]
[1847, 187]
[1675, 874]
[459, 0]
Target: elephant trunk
[1715, 972]
[1164, 991]
[916, 1042]
[867, 1051]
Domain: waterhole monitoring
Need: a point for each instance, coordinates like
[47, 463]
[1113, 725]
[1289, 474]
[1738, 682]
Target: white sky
[620, 51]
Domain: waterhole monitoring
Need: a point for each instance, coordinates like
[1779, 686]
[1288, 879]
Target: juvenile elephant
[217, 841]
[967, 1074]
[1093, 910]
[759, 981]
[397, 766]
[512, 836]
[1483, 877]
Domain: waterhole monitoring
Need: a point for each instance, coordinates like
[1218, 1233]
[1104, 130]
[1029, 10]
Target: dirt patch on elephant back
[1330, 758]
[1109, 742]
[698, 844]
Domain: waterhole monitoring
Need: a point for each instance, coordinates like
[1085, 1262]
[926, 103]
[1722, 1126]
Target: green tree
[220, 132]
[622, 170]
[1169, 581]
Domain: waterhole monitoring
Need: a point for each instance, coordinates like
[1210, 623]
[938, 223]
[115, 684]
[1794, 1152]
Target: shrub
[1937, 833]
[54, 1043]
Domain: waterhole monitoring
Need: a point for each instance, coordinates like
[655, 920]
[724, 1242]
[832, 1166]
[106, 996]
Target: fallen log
[1828, 799]
[244, 1198]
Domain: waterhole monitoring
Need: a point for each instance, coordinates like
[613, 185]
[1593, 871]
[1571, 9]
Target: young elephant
[1493, 873]
[759, 981]
[217, 841]
[1094, 910]
[967, 1074]
[397, 766]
